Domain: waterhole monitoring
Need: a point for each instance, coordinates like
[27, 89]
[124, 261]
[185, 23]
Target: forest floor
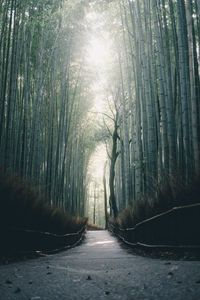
[100, 268]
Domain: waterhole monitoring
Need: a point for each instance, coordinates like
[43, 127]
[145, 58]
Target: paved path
[100, 269]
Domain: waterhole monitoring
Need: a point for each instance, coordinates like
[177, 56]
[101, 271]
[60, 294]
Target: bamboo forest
[99, 102]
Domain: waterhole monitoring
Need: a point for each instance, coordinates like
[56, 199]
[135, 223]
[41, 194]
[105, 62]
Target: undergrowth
[93, 227]
[174, 193]
[22, 207]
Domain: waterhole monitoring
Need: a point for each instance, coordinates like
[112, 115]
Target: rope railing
[176, 228]
[159, 246]
[177, 208]
[20, 240]
[79, 234]
[49, 233]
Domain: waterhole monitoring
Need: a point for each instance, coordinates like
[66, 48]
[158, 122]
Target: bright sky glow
[98, 52]
[99, 98]
[97, 161]
[98, 60]
[95, 172]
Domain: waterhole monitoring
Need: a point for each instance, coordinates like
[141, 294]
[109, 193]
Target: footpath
[100, 268]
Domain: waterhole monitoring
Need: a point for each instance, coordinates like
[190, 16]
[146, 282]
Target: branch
[97, 112]
[107, 151]
[118, 137]
[130, 33]
[110, 107]
[107, 127]
[117, 154]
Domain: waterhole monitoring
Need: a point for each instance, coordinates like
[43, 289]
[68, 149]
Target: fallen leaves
[8, 281]
[107, 293]
[198, 281]
[18, 290]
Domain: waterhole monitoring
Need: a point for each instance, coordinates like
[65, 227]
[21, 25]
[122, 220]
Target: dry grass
[93, 227]
[21, 206]
[174, 193]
